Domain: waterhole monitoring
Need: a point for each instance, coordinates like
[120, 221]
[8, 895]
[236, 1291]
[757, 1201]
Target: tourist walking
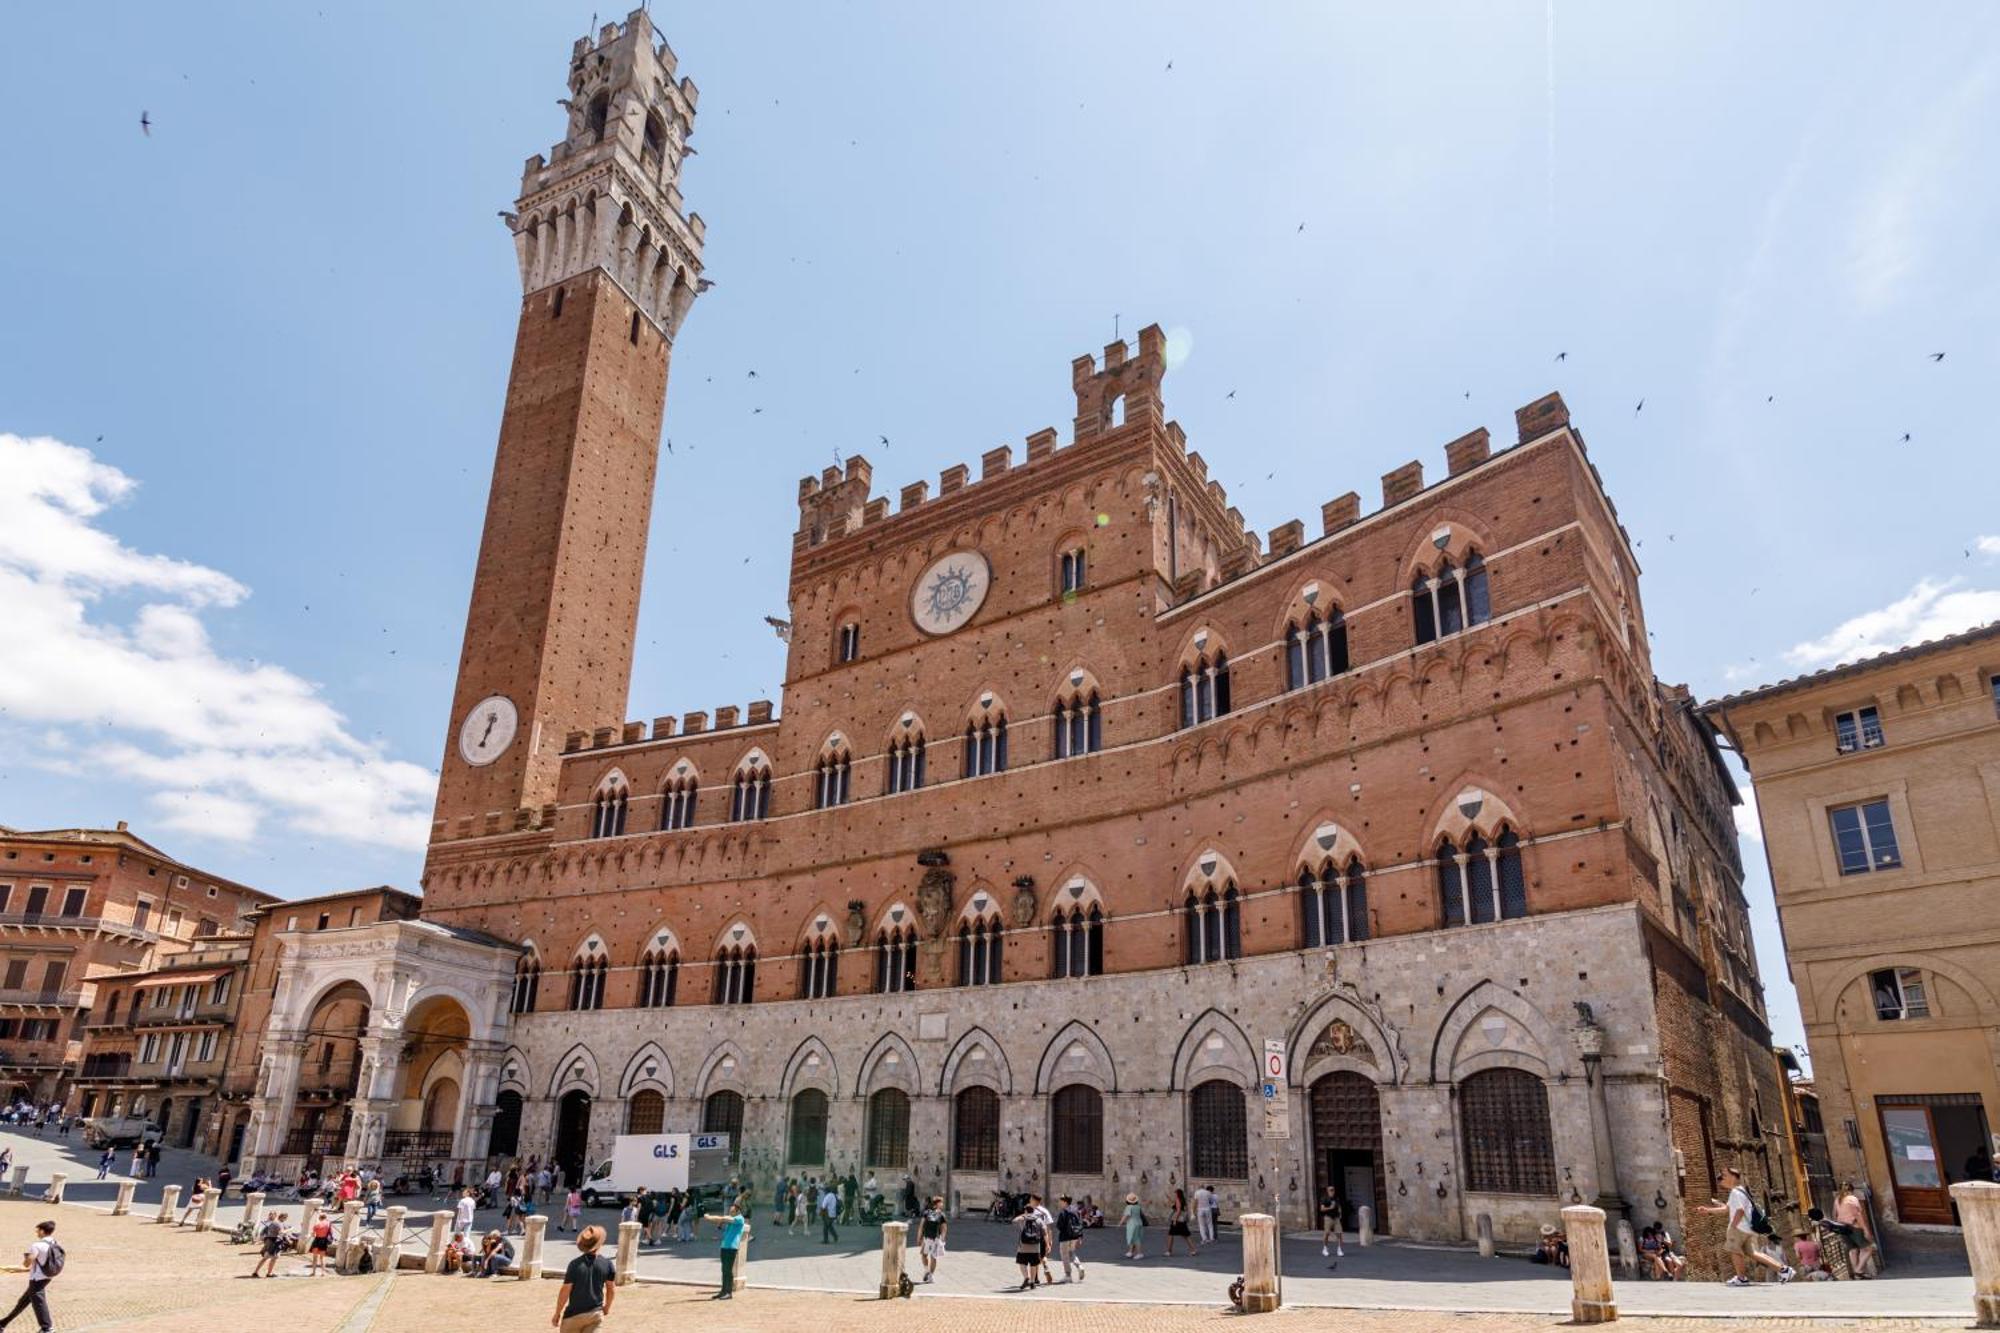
[270, 1243]
[1852, 1220]
[320, 1244]
[1048, 1221]
[195, 1197]
[572, 1213]
[461, 1212]
[589, 1286]
[1205, 1204]
[106, 1162]
[1069, 1238]
[829, 1212]
[1330, 1224]
[44, 1262]
[1177, 1222]
[735, 1231]
[371, 1200]
[1740, 1236]
[1033, 1246]
[931, 1229]
[1135, 1227]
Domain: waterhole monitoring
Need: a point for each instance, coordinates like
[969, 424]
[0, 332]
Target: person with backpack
[1747, 1224]
[1033, 1248]
[1069, 1239]
[931, 1230]
[271, 1243]
[44, 1261]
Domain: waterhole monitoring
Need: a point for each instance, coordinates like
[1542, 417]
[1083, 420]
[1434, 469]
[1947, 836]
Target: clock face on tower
[950, 591]
[488, 730]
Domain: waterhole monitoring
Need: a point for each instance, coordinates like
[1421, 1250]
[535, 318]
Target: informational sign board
[1277, 1091]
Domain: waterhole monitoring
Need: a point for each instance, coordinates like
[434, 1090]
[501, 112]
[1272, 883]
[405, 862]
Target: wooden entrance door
[1909, 1136]
[1347, 1144]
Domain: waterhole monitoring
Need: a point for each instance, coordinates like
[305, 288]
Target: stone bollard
[1628, 1248]
[307, 1215]
[123, 1203]
[628, 1252]
[1260, 1262]
[1979, 1211]
[205, 1219]
[1485, 1224]
[20, 1184]
[388, 1254]
[440, 1235]
[253, 1211]
[169, 1196]
[895, 1235]
[346, 1250]
[1364, 1225]
[531, 1246]
[743, 1265]
[54, 1193]
[1589, 1266]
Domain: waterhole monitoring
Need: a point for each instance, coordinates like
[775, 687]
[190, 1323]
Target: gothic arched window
[527, 984]
[906, 762]
[896, 959]
[1334, 903]
[1072, 573]
[736, 974]
[986, 744]
[750, 791]
[607, 808]
[1214, 924]
[586, 977]
[1204, 688]
[1315, 648]
[1451, 599]
[830, 778]
[677, 802]
[659, 976]
[819, 967]
[1078, 723]
[1481, 881]
[1078, 941]
[979, 950]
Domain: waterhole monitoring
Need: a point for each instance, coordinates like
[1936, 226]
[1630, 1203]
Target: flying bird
[753, 374]
[146, 123]
[1641, 407]
[756, 411]
[883, 438]
[1230, 394]
[1302, 226]
[1170, 64]
[1562, 356]
[1906, 437]
[670, 446]
[1937, 356]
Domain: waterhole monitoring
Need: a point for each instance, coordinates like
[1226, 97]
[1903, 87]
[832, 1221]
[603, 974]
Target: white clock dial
[488, 730]
[950, 592]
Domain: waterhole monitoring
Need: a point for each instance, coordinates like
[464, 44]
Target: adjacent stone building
[77, 905]
[1100, 844]
[1878, 789]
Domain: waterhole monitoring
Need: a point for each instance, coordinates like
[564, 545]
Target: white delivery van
[655, 1162]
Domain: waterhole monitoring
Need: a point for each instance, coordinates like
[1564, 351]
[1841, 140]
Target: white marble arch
[811, 1066]
[726, 1069]
[987, 1069]
[1490, 1027]
[577, 1069]
[1214, 1047]
[890, 1063]
[661, 1079]
[1076, 1054]
[1387, 1066]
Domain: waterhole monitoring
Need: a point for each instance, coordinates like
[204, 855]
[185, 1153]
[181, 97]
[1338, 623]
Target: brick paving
[131, 1273]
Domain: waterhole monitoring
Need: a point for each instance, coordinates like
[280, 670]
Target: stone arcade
[1081, 793]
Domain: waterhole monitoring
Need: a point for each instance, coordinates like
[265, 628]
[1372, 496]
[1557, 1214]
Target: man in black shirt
[589, 1287]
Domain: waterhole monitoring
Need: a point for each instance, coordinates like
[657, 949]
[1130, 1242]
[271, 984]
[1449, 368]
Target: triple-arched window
[1077, 938]
[750, 791]
[607, 808]
[1204, 688]
[896, 959]
[1481, 880]
[1214, 923]
[659, 976]
[527, 984]
[736, 974]
[677, 802]
[586, 977]
[1452, 599]
[986, 745]
[1333, 903]
[1315, 648]
[979, 950]
[906, 763]
[819, 967]
[830, 778]
[1079, 729]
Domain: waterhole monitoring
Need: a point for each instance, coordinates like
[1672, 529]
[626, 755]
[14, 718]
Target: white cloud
[1930, 610]
[1986, 545]
[1921, 185]
[1748, 827]
[223, 745]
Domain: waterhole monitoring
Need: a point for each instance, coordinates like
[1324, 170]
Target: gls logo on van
[666, 1151]
[704, 1142]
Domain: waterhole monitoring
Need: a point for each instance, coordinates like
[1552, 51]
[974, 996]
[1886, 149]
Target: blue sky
[287, 313]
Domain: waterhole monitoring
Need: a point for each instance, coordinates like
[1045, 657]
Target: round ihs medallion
[950, 592]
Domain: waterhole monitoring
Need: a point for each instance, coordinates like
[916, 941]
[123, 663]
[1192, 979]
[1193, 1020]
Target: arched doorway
[506, 1140]
[441, 1107]
[329, 1075]
[1347, 1143]
[191, 1124]
[572, 1134]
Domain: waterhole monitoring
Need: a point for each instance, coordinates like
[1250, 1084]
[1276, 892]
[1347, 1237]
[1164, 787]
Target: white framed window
[149, 1048]
[848, 646]
[1857, 729]
[1899, 994]
[218, 990]
[1864, 837]
[204, 1050]
[1073, 571]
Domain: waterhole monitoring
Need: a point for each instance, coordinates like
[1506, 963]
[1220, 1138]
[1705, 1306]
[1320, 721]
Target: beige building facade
[1878, 787]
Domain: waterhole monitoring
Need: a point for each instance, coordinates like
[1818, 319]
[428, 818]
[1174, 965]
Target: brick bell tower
[609, 266]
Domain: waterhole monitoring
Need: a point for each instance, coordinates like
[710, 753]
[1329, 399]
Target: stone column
[1364, 1225]
[123, 1204]
[531, 1246]
[1484, 1222]
[1589, 1265]
[524, 257]
[894, 1236]
[1979, 1210]
[20, 1182]
[1628, 1248]
[1589, 1039]
[205, 1219]
[345, 1245]
[628, 1252]
[169, 1196]
[479, 1090]
[253, 1208]
[389, 1254]
[1260, 1262]
[54, 1192]
[602, 247]
[277, 1096]
[440, 1234]
[307, 1213]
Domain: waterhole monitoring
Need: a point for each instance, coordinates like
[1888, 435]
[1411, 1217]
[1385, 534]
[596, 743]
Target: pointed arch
[810, 1065]
[1519, 1037]
[750, 787]
[517, 1073]
[976, 1060]
[576, 1070]
[889, 1063]
[1076, 1054]
[1213, 1046]
[636, 1076]
[985, 735]
[725, 1069]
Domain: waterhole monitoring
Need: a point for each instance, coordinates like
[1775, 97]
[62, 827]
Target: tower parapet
[608, 196]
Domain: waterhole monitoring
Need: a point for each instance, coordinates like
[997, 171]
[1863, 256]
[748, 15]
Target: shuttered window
[1509, 1148]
